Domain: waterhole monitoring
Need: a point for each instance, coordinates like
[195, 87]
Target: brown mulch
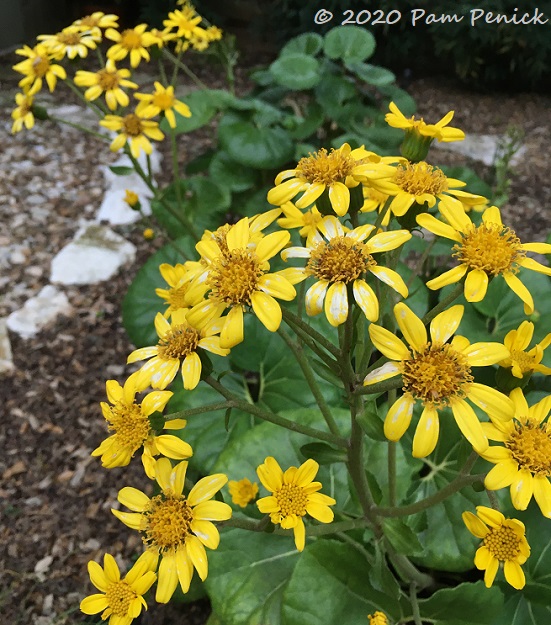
[55, 499]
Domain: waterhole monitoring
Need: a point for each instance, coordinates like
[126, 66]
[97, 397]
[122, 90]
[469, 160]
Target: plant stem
[190, 412]
[379, 387]
[414, 604]
[311, 381]
[185, 69]
[444, 303]
[78, 127]
[316, 530]
[272, 417]
[99, 110]
[292, 320]
[407, 570]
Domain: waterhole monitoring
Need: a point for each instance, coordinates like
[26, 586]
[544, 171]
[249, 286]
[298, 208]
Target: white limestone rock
[482, 148]
[95, 255]
[6, 359]
[39, 312]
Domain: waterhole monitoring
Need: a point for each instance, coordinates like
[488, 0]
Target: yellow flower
[174, 526]
[308, 221]
[484, 252]
[38, 66]
[522, 362]
[161, 101]
[22, 114]
[131, 198]
[70, 42]
[243, 492]
[133, 41]
[161, 36]
[319, 171]
[177, 349]
[237, 277]
[294, 494]
[377, 618]
[132, 429]
[148, 234]
[341, 258]
[437, 374]
[185, 21]
[108, 80]
[214, 33]
[96, 21]
[524, 462]
[503, 541]
[178, 279]
[410, 183]
[121, 600]
[438, 131]
[135, 130]
[375, 201]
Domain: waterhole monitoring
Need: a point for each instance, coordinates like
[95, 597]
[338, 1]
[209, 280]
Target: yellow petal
[232, 332]
[168, 578]
[238, 235]
[206, 488]
[398, 417]
[184, 568]
[212, 511]
[476, 285]
[388, 370]
[469, 425]
[114, 389]
[321, 513]
[267, 310]
[490, 573]
[483, 556]
[426, 433]
[173, 447]
[277, 285]
[339, 196]
[514, 574]
[310, 195]
[198, 556]
[542, 494]
[448, 277]
[285, 191]
[366, 299]
[97, 576]
[314, 297]
[444, 325]
[306, 472]
[132, 520]
[411, 326]
[206, 532]
[522, 489]
[392, 278]
[484, 354]
[495, 404]
[386, 241]
[270, 474]
[430, 223]
[271, 244]
[94, 604]
[133, 499]
[388, 344]
[191, 371]
[493, 518]
[300, 535]
[474, 525]
[336, 304]
[519, 289]
[155, 401]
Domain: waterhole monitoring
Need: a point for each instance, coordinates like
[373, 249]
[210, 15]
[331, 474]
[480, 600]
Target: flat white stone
[95, 255]
[39, 312]
[482, 148]
[6, 359]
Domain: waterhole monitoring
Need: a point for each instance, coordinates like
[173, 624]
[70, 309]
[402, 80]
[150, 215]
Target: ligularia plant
[332, 390]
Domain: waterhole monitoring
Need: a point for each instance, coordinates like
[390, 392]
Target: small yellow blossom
[38, 66]
[22, 114]
[293, 495]
[148, 234]
[131, 198]
[162, 100]
[70, 42]
[133, 42]
[96, 21]
[135, 130]
[177, 295]
[108, 80]
[439, 131]
[377, 618]
[243, 492]
[503, 542]
[522, 362]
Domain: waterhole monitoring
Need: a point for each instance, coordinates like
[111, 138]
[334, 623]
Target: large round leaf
[227, 173]
[349, 43]
[261, 148]
[296, 71]
[203, 105]
[372, 74]
[307, 43]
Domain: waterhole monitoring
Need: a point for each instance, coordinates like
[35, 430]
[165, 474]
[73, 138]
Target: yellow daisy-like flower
[339, 257]
[161, 36]
[243, 492]
[176, 350]
[410, 183]
[132, 128]
[120, 600]
[484, 252]
[178, 278]
[70, 42]
[129, 420]
[524, 461]
[37, 67]
[109, 81]
[174, 526]
[131, 198]
[185, 21]
[237, 277]
[132, 41]
[294, 494]
[503, 542]
[522, 362]
[96, 22]
[437, 374]
[377, 618]
[307, 221]
[22, 114]
[161, 101]
[439, 131]
[334, 171]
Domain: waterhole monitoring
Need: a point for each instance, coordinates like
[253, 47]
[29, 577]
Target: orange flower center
[130, 425]
[523, 360]
[167, 521]
[41, 66]
[503, 543]
[69, 39]
[178, 342]
[492, 248]
[340, 260]
[120, 595]
[234, 277]
[326, 167]
[107, 80]
[90, 21]
[419, 178]
[291, 499]
[132, 125]
[530, 446]
[436, 374]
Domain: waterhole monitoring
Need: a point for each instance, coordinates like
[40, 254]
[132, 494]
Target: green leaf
[204, 105]
[260, 148]
[296, 71]
[333, 92]
[227, 173]
[307, 43]
[380, 576]
[371, 422]
[349, 43]
[401, 98]
[466, 604]
[372, 74]
[323, 453]
[308, 125]
[121, 170]
[401, 537]
[141, 304]
[330, 584]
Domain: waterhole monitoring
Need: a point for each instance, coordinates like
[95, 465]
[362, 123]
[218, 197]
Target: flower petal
[542, 494]
[336, 304]
[267, 310]
[133, 499]
[168, 578]
[476, 285]
[306, 472]
[366, 299]
[398, 417]
[446, 323]
[519, 289]
[388, 370]
[495, 404]
[522, 489]
[448, 277]
[390, 277]
[339, 196]
[388, 344]
[474, 525]
[314, 297]
[426, 433]
[514, 574]
[411, 326]
[198, 556]
[191, 371]
[184, 568]
[206, 488]
[469, 425]
[212, 511]
[300, 535]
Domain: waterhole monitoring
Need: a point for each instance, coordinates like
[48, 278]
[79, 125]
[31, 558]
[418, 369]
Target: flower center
[523, 360]
[325, 167]
[90, 21]
[130, 39]
[490, 247]
[41, 65]
[436, 374]
[168, 521]
[163, 100]
[291, 500]
[178, 342]
[340, 260]
[120, 595]
[107, 80]
[419, 178]
[234, 277]
[503, 543]
[69, 39]
[176, 297]
[132, 125]
[26, 106]
[530, 445]
[131, 427]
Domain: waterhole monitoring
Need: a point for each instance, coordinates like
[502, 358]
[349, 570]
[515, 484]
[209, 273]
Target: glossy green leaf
[307, 126]
[227, 173]
[402, 538]
[349, 43]
[401, 98]
[307, 43]
[323, 453]
[203, 104]
[121, 170]
[372, 74]
[296, 71]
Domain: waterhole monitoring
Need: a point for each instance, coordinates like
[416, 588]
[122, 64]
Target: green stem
[415, 604]
[379, 387]
[78, 127]
[99, 109]
[407, 570]
[356, 545]
[315, 530]
[292, 320]
[421, 262]
[307, 340]
[444, 303]
[184, 68]
[190, 412]
[162, 71]
[311, 381]
[272, 417]
[175, 168]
